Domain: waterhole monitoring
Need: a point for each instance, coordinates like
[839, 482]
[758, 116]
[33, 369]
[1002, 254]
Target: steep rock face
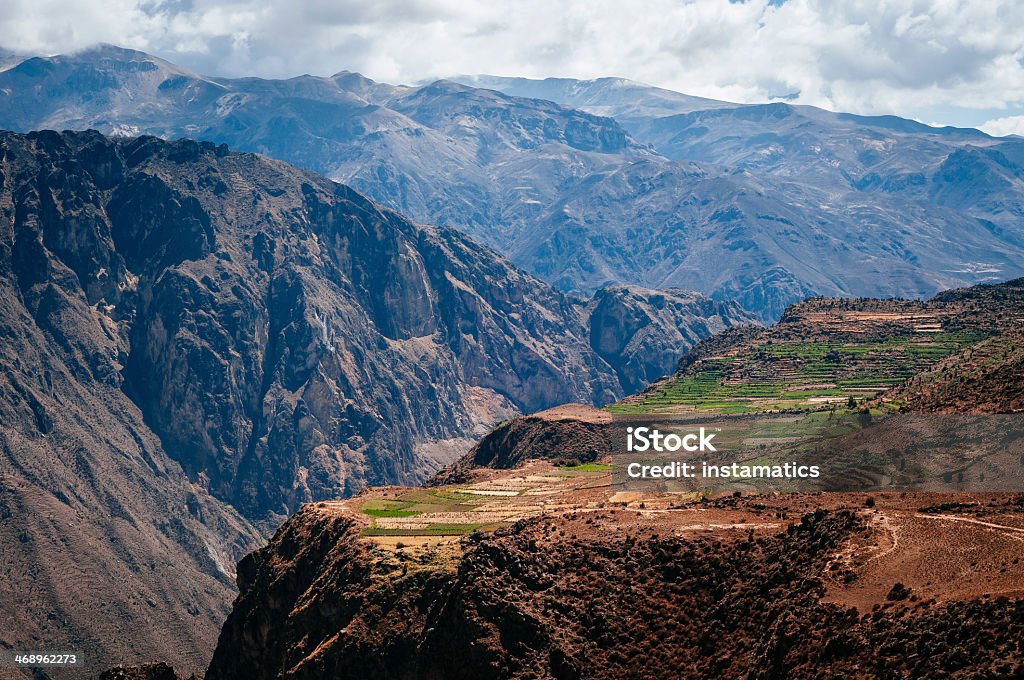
[637, 330]
[285, 337]
[152, 671]
[107, 548]
[274, 581]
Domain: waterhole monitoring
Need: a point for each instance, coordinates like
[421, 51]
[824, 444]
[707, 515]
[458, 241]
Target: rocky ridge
[740, 588]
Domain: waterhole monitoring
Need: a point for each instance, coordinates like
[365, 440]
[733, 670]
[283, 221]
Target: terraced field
[825, 353]
[485, 505]
[794, 375]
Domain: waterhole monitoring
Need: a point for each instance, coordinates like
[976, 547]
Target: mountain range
[198, 341]
[590, 183]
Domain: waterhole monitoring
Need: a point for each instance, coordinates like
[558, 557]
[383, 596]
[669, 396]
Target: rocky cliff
[737, 588]
[107, 548]
[285, 338]
[638, 331]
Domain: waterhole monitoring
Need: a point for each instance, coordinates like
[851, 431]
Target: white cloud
[1001, 127]
[911, 57]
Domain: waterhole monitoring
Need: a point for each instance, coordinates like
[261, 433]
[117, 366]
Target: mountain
[9, 59]
[730, 234]
[626, 101]
[284, 337]
[849, 207]
[108, 548]
[441, 154]
[639, 332]
[199, 341]
[963, 168]
[874, 157]
[795, 141]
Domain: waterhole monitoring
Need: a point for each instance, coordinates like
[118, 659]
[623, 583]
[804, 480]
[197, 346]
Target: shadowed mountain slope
[286, 338]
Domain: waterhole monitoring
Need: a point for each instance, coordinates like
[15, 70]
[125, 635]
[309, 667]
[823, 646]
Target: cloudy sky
[945, 61]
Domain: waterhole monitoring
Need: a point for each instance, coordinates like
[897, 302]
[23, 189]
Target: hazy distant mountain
[9, 59]
[683, 226]
[965, 169]
[443, 153]
[962, 168]
[779, 203]
[624, 100]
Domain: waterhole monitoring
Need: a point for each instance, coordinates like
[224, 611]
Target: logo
[641, 439]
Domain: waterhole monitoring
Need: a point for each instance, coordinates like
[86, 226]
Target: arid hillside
[986, 375]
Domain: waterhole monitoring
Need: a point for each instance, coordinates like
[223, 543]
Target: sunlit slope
[827, 353]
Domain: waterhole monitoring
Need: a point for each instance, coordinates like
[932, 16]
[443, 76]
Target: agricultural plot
[462, 509]
[793, 375]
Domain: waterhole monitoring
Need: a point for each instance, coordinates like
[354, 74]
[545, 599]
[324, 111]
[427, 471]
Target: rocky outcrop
[151, 671]
[571, 433]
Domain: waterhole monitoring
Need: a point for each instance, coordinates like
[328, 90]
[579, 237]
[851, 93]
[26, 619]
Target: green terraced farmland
[792, 375]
